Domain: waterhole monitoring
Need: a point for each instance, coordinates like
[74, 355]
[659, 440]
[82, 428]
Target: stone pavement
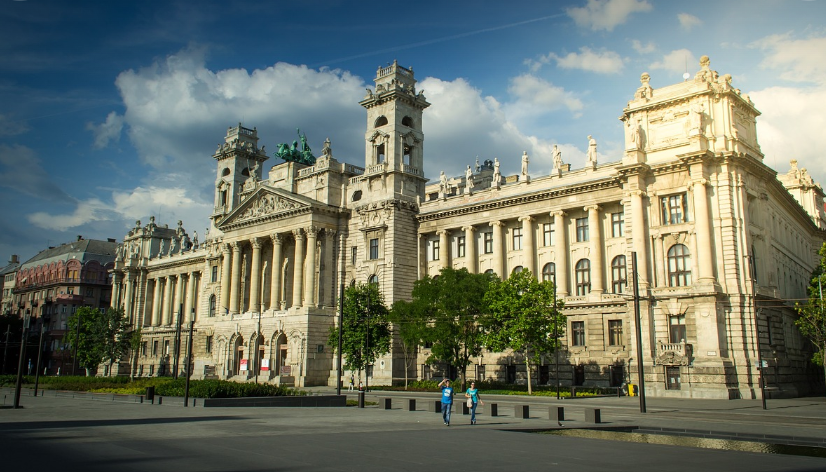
[69, 434]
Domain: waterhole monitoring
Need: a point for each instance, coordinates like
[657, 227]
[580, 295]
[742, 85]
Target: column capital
[298, 234]
[637, 193]
[527, 218]
[329, 234]
[277, 238]
[256, 242]
[592, 208]
[559, 213]
[703, 182]
[496, 223]
[470, 228]
[443, 232]
[236, 246]
[226, 248]
[312, 231]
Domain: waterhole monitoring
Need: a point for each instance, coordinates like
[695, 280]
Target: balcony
[674, 353]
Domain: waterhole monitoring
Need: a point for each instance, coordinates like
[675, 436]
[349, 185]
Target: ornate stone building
[691, 197]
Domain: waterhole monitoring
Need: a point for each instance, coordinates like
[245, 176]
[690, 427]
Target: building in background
[54, 284]
[720, 240]
[7, 278]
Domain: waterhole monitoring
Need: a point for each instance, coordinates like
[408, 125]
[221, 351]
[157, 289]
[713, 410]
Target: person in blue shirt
[447, 400]
[473, 394]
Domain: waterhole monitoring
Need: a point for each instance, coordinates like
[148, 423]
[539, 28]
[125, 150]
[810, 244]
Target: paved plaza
[116, 433]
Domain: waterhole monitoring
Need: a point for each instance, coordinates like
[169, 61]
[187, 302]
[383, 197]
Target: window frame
[619, 274]
[618, 224]
[615, 333]
[460, 246]
[583, 277]
[549, 272]
[578, 338]
[678, 265]
[582, 230]
[516, 239]
[674, 209]
[435, 249]
[487, 240]
[374, 248]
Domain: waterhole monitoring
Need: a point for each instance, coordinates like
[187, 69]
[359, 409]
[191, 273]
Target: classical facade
[7, 278]
[54, 284]
[719, 238]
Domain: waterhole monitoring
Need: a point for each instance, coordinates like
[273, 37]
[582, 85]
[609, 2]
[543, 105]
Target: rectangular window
[143, 349]
[577, 333]
[434, 246]
[155, 347]
[487, 238]
[582, 230]
[548, 234]
[617, 224]
[674, 209]
[517, 239]
[460, 246]
[166, 347]
[676, 328]
[89, 292]
[208, 344]
[374, 248]
[354, 251]
[215, 273]
[615, 332]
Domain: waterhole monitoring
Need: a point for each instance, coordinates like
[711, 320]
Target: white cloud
[540, 96]
[10, 127]
[688, 21]
[601, 62]
[22, 171]
[801, 60]
[676, 61]
[606, 14]
[107, 131]
[643, 48]
[88, 211]
[791, 127]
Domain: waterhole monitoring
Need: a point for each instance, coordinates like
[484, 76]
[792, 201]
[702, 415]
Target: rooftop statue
[302, 155]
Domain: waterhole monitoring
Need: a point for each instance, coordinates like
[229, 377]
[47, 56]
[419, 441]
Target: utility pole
[556, 336]
[340, 333]
[760, 378]
[26, 321]
[640, 370]
[189, 362]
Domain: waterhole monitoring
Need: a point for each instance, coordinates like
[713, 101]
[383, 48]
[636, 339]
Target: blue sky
[110, 111]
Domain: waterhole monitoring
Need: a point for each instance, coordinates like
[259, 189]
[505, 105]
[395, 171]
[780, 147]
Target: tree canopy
[102, 336]
[453, 308]
[365, 328]
[524, 317]
[410, 327]
[812, 320]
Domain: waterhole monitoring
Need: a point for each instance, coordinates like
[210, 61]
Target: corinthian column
[191, 298]
[156, 303]
[529, 249]
[310, 262]
[298, 271]
[561, 252]
[167, 301]
[703, 229]
[127, 302]
[116, 280]
[597, 280]
[235, 290]
[499, 249]
[255, 276]
[275, 289]
[638, 235]
[226, 272]
[444, 248]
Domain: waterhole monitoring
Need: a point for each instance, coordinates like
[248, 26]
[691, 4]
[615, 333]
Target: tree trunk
[528, 368]
[823, 359]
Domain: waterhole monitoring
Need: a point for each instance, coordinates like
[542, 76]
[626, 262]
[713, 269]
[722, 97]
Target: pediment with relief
[263, 204]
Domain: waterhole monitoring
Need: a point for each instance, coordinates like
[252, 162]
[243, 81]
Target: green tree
[452, 305]
[812, 320]
[409, 325]
[365, 328]
[134, 346]
[101, 337]
[525, 317]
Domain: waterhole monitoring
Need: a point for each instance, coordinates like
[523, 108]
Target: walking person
[352, 382]
[472, 394]
[447, 400]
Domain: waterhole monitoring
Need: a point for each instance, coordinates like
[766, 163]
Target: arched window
[212, 306]
[517, 269]
[583, 277]
[373, 280]
[489, 271]
[353, 283]
[381, 121]
[407, 121]
[225, 172]
[245, 172]
[679, 263]
[619, 273]
[549, 272]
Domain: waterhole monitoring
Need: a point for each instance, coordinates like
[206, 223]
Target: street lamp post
[760, 369]
[6, 347]
[26, 321]
[40, 345]
[556, 337]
